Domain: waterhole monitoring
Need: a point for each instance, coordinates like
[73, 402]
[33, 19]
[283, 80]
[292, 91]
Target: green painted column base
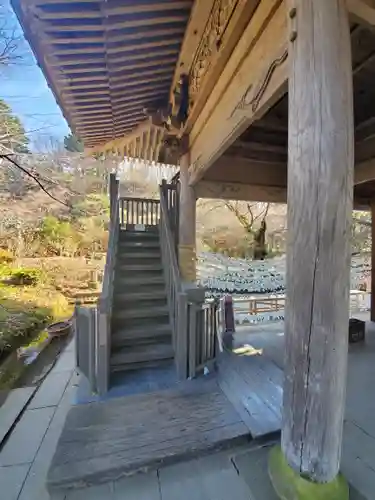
[289, 485]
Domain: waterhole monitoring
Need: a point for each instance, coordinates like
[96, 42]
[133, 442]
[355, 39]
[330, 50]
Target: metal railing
[139, 212]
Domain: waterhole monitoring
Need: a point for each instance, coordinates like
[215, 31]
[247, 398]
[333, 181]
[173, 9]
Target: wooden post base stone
[289, 485]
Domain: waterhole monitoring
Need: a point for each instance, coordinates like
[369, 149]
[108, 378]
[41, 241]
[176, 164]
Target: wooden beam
[241, 192]
[112, 11]
[140, 34]
[364, 172]
[129, 23]
[117, 69]
[361, 12]
[243, 170]
[252, 81]
[115, 59]
[320, 203]
[253, 192]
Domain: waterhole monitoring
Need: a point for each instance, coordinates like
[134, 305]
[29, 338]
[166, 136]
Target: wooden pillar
[320, 190]
[373, 260]
[187, 230]
[113, 192]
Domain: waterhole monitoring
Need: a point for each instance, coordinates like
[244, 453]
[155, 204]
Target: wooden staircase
[145, 316]
[141, 334]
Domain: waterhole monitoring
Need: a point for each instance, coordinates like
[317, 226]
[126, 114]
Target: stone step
[141, 334]
[155, 312]
[130, 357]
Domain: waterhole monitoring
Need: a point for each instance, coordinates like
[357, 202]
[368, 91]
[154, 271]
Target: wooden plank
[253, 79]
[320, 190]
[248, 397]
[259, 383]
[237, 191]
[102, 441]
[12, 406]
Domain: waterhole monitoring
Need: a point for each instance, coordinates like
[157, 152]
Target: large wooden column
[187, 230]
[320, 187]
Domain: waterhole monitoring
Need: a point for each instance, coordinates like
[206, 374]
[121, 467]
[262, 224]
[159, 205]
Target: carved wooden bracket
[211, 42]
[252, 99]
[173, 148]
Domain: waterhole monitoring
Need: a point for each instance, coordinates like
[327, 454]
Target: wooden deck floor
[253, 384]
[105, 440]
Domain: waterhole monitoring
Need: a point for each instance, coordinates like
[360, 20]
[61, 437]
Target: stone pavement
[237, 473]
[26, 455]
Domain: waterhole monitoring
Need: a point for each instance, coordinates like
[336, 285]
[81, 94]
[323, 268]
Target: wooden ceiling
[107, 61]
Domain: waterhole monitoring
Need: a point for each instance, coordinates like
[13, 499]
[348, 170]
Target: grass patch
[24, 311]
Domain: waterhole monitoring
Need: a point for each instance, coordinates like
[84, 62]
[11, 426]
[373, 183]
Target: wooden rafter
[362, 12]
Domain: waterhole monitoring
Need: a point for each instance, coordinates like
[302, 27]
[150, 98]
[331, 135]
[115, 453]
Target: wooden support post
[113, 192]
[186, 247]
[373, 261]
[320, 191]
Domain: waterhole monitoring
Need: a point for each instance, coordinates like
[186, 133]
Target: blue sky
[24, 88]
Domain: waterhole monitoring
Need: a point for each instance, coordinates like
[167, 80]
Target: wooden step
[125, 281]
[137, 296]
[138, 245]
[141, 334]
[130, 255]
[139, 235]
[141, 268]
[140, 312]
[130, 357]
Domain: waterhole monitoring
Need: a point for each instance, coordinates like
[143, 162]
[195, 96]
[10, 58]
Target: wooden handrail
[194, 322]
[106, 297]
[177, 299]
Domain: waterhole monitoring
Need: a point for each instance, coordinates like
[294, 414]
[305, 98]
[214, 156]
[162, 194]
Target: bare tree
[11, 40]
[247, 214]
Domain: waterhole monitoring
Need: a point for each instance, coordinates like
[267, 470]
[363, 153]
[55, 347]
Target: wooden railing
[172, 198]
[203, 336]
[177, 299]
[93, 327]
[194, 323]
[139, 212]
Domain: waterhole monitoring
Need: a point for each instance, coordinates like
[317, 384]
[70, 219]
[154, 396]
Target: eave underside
[109, 63]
